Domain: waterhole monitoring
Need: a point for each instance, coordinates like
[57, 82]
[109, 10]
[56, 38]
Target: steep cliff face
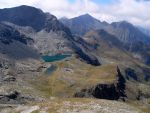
[8, 35]
[84, 50]
[31, 16]
[15, 45]
[48, 33]
[106, 91]
[128, 33]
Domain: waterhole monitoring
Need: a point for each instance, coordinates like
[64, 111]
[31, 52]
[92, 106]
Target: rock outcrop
[106, 91]
[13, 97]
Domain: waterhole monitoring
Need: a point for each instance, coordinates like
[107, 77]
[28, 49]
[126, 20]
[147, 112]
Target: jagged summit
[24, 7]
[24, 16]
[85, 16]
[123, 24]
[82, 24]
[32, 17]
[128, 33]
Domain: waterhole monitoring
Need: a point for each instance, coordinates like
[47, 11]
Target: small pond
[50, 70]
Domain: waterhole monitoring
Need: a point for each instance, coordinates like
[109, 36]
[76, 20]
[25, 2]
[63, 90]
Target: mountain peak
[63, 19]
[122, 24]
[23, 7]
[125, 22]
[24, 16]
[128, 33]
[83, 23]
[32, 17]
[86, 16]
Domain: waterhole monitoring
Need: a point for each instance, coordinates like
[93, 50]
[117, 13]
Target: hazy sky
[134, 11]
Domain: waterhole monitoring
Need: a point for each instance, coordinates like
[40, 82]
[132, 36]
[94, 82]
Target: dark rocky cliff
[106, 91]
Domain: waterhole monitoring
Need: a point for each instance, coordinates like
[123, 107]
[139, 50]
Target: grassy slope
[73, 75]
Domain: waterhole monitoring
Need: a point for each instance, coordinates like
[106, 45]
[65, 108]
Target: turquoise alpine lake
[54, 58]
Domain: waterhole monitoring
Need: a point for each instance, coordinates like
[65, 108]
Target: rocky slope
[114, 74]
[113, 91]
[15, 45]
[128, 33]
[49, 35]
[144, 30]
[74, 106]
[82, 24]
[133, 39]
[41, 24]
[30, 16]
[123, 30]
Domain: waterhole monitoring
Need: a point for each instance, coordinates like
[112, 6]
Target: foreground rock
[74, 106]
[14, 97]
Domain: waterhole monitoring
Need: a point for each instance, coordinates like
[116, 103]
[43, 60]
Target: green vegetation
[73, 75]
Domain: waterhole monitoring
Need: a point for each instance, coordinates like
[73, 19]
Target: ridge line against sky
[134, 11]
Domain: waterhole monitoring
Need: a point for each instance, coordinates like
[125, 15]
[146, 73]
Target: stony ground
[73, 106]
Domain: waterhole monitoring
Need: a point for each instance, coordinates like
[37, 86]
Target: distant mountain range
[123, 30]
[52, 36]
[134, 39]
